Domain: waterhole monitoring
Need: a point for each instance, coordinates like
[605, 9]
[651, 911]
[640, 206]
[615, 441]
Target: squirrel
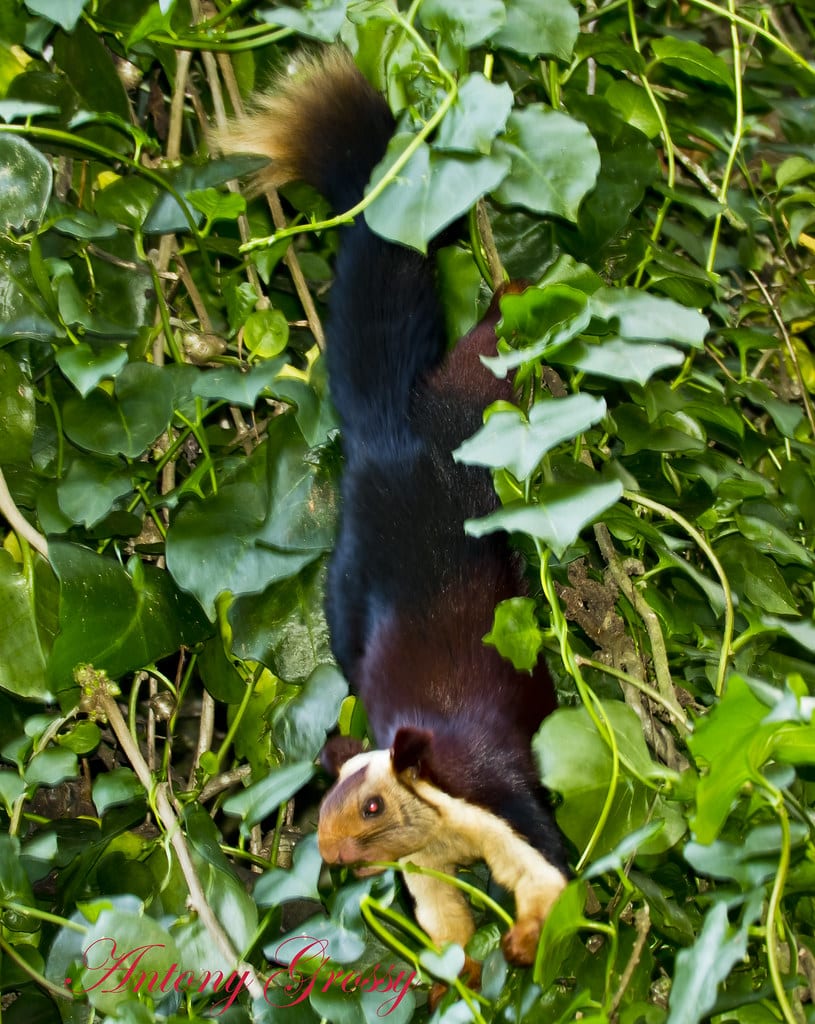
[409, 594]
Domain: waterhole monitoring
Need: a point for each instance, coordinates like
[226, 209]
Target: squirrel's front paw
[520, 944]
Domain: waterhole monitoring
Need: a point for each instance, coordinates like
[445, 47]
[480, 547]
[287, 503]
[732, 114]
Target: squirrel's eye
[372, 807]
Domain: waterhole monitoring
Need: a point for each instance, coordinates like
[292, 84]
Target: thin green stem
[737, 19]
[370, 908]
[236, 721]
[738, 130]
[475, 894]
[701, 541]
[679, 721]
[403, 924]
[33, 973]
[477, 247]
[200, 437]
[774, 906]
[666, 138]
[44, 915]
[164, 315]
[393, 171]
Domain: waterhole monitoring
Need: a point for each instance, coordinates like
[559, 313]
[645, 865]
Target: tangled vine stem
[103, 700]
[590, 701]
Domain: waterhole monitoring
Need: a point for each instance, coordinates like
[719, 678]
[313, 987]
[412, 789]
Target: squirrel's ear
[338, 750]
[411, 747]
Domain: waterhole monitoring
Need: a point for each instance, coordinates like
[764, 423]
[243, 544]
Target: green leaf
[263, 798]
[749, 862]
[634, 106]
[166, 215]
[90, 488]
[217, 205]
[316, 19]
[285, 626]
[12, 788]
[609, 50]
[639, 316]
[773, 540]
[554, 160]
[218, 672]
[533, 28]
[95, 86]
[733, 742]
[155, 19]
[237, 386]
[298, 883]
[547, 316]
[81, 224]
[618, 359]
[224, 890]
[22, 654]
[701, 969]
[17, 412]
[623, 851]
[628, 165]
[241, 299]
[270, 520]
[14, 885]
[575, 761]
[114, 787]
[430, 192]
[128, 422]
[671, 432]
[82, 738]
[84, 368]
[794, 169]
[515, 633]
[301, 726]
[460, 283]
[756, 576]
[478, 115]
[65, 13]
[510, 441]
[469, 22]
[50, 767]
[559, 931]
[116, 619]
[266, 333]
[693, 59]
[122, 943]
[126, 201]
[25, 183]
[800, 630]
[557, 520]
[75, 310]
[445, 965]
[22, 309]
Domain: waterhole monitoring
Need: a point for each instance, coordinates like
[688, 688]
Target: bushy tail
[325, 124]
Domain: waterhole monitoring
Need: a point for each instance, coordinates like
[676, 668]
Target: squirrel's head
[372, 811]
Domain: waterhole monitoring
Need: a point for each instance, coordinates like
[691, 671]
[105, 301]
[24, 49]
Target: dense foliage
[165, 674]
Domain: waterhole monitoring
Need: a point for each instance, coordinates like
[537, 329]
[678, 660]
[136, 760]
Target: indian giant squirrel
[410, 596]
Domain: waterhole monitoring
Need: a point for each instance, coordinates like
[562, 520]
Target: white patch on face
[376, 762]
